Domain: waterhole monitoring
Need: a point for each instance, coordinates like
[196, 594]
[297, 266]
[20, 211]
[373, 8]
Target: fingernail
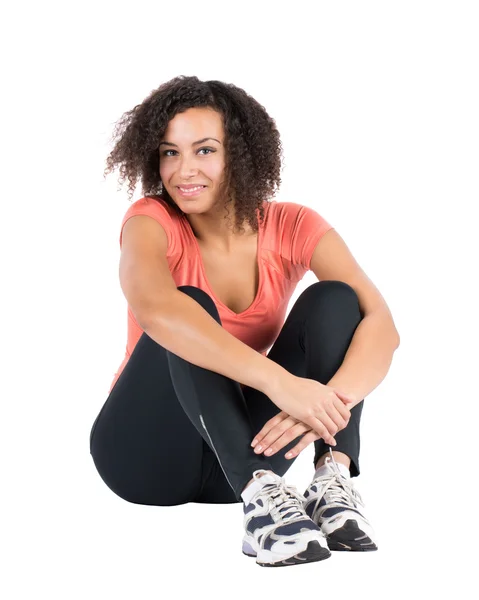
[254, 442]
[289, 455]
[258, 448]
[269, 451]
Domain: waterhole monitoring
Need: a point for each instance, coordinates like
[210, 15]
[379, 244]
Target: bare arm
[183, 327]
[175, 320]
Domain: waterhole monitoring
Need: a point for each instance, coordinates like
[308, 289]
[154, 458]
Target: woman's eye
[165, 153]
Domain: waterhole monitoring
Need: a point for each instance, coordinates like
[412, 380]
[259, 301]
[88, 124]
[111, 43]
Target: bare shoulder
[145, 276]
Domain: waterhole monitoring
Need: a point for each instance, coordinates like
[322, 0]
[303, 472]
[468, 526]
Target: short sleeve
[151, 208]
[307, 228]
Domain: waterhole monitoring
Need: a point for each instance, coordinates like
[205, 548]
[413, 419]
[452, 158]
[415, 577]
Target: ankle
[339, 457]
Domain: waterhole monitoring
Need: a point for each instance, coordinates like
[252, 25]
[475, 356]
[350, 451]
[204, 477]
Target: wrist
[272, 377]
[343, 387]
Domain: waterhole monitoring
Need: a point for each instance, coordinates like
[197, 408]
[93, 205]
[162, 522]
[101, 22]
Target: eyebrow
[193, 144]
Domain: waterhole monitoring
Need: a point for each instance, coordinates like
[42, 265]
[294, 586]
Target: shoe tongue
[268, 478]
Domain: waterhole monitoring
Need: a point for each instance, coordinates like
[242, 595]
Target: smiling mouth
[191, 189]
[191, 193]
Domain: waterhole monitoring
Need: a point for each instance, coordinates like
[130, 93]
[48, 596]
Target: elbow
[145, 319]
[141, 318]
[143, 315]
[150, 316]
[397, 340]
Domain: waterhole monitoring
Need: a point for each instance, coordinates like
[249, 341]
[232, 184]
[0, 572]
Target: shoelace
[340, 489]
[284, 499]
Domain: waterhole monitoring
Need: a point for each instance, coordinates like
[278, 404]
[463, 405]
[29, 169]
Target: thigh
[143, 445]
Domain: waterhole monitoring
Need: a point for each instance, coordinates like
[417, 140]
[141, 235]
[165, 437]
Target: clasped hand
[308, 407]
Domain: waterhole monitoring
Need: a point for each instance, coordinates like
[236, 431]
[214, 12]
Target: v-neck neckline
[258, 262]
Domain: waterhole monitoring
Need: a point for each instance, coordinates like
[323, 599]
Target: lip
[190, 185]
[191, 194]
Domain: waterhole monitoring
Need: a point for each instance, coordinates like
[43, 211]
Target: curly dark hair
[253, 149]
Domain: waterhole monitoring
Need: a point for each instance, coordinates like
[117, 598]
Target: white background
[377, 106]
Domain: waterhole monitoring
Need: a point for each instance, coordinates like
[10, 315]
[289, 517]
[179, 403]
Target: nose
[187, 167]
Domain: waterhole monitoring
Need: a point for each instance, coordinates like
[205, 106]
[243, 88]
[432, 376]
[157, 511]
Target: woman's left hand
[279, 432]
[282, 429]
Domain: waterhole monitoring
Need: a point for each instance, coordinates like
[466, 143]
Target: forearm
[368, 358]
[183, 327]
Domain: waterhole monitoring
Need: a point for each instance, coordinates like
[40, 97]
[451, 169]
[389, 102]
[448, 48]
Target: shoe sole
[350, 538]
[314, 552]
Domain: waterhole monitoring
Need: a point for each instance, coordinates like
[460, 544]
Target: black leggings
[171, 432]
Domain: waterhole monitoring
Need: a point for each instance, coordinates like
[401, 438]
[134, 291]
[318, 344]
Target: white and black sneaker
[278, 532]
[333, 503]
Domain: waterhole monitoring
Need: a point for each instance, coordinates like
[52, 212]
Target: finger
[328, 422]
[343, 412]
[311, 436]
[288, 436]
[274, 434]
[268, 426]
[335, 413]
[318, 426]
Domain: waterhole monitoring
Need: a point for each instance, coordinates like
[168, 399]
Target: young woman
[209, 262]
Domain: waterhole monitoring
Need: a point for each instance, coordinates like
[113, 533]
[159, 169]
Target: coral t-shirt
[286, 241]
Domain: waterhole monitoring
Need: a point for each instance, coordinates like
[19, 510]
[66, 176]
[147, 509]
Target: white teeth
[192, 189]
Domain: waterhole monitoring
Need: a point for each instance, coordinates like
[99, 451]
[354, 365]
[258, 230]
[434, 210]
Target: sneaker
[332, 503]
[277, 530]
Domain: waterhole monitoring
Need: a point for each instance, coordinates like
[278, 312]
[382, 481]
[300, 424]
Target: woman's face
[184, 162]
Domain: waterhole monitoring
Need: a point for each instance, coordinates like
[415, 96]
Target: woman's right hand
[313, 403]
